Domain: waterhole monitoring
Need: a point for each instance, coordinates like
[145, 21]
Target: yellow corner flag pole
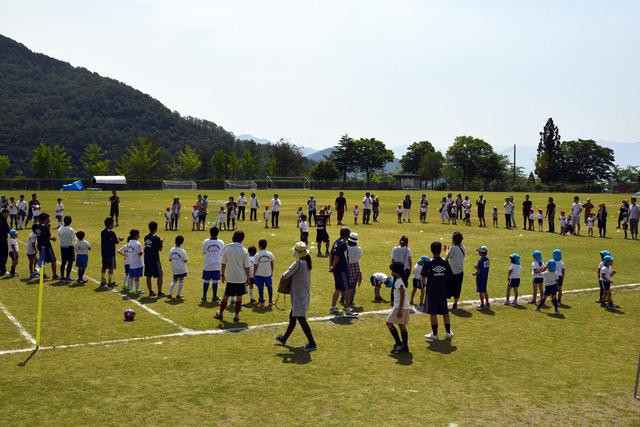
[40, 295]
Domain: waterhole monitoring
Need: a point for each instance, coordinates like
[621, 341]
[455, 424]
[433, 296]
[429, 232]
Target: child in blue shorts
[482, 277]
[537, 268]
[513, 279]
[550, 280]
[603, 254]
[561, 269]
[82, 248]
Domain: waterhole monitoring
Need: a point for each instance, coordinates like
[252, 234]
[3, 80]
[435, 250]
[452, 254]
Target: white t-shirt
[590, 222]
[253, 203]
[212, 250]
[35, 210]
[560, 267]
[22, 205]
[379, 277]
[263, 260]
[354, 254]
[124, 250]
[356, 211]
[252, 263]
[13, 209]
[535, 266]
[133, 249]
[606, 273]
[242, 201]
[563, 221]
[13, 245]
[508, 208]
[456, 259]
[275, 205]
[33, 240]
[396, 295]
[515, 271]
[194, 215]
[222, 217]
[634, 211]
[178, 260]
[236, 258]
[59, 209]
[265, 214]
[417, 271]
[549, 278]
[367, 202]
[401, 254]
[83, 247]
[66, 236]
[304, 227]
[576, 208]
[167, 215]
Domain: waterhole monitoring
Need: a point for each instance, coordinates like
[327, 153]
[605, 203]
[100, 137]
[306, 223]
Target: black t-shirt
[526, 206]
[152, 248]
[551, 209]
[438, 274]
[4, 229]
[339, 249]
[231, 206]
[481, 204]
[341, 203]
[321, 221]
[406, 204]
[115, 201]
[108, 242]
[43, 234]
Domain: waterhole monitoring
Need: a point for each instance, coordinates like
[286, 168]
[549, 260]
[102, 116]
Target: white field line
[27, 336]
[191, 332]
[134, 301]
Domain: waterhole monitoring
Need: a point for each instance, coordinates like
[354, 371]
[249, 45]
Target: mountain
[306, 151]
[43, 99]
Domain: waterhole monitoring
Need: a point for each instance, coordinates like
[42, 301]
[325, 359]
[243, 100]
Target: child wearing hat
[377, 280]
[513, 279]
[417, 279]
[603, 254]
[550, 280]
[13, 251]
[561, 269]
[354, 274]
[537, 267]
[482, 276]
[400, 313]
[606, 273]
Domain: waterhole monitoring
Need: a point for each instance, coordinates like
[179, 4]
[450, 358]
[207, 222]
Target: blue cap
[551, 266]
[515, 258]
[423, 259]
[557, 254]
[389, 281]
[13, 233]
[604, 253]
[607, 258]
[537, 255]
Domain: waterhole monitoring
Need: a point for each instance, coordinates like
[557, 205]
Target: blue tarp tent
[74, 186]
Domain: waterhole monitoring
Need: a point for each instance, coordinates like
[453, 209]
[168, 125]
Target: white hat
[482, 249]
[353, 237]
[300, 250]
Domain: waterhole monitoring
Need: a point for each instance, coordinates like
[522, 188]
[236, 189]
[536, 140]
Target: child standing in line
[625, 223]
[417, 280]
[540, 219]
[513, 279]
[266, 215]
[82, 248]
[537, 267]
[13, 252]
[67, 239]
[354, 274]
[561, 269]
[531, 219]
[590, 221]
[32, 250]
[482, 277]
[377, 280]
[327, 213]
[454, 214]
[252, 277]
[550, 278]
[299, 215]
[22, 212]
[35, 211]
[212, 251]
[563, 223]
[467, 214]
[134, 249]
[222, 219]
[195, 213]
[356, 212]
[494, 216]
[606, 273]
[13, 213]
[304, 229]
[178, 259]
[603, 254]
[400, 313]
[399, 213]
[59, 212]
[167, 218]
[44, 242]
[124, 251]
[263, 271]
[423, 213]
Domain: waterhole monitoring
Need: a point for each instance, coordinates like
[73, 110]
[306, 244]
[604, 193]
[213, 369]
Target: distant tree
[93, 160]
[248, 164]
[219, 164]
[431, 166]
[345, 155]
[289, 159]
[549, 160]
[532, 179]
[234, 165]
[188, 162]
[272, 165]
[628, 175]
[412, 159]
[60, 162]
[584, 161]
[325, 170]
[373, 155]
[492, 167]
[5, 162]
[469, 157]
[140, 161]
[41, 161]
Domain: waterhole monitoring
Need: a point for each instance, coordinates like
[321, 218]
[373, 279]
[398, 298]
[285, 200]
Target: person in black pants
[275, 211]
[526, 210]
[551, 215]
[4, 243]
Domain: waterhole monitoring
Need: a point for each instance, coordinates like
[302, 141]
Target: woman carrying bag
[300, 274]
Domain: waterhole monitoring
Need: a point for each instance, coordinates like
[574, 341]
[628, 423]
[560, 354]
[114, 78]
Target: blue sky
[399, 71]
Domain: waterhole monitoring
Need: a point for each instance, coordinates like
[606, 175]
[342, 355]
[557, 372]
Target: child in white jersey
[400, 313]
[263, 271]
[82, 248]
[550, 280]
[32, 250]
[537, 268]
[561, 269]
[356, 213]
[513, 279]
[563, 223]
[252, 276]
[178, 259]
[13, 251]
[265, 216]
[59, 212]
[417, 280]
[540, 220]
[212, 250]
[167, 218]
[194, 218]
[222, 219]
[13, 214]
[123, 250]
[304, 229]
[134, 250]
[606, 274]
[590, 220]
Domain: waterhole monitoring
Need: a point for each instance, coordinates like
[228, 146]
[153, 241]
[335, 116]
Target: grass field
[503, 366]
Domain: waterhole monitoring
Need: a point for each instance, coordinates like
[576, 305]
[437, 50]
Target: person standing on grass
[44, 243]
[624, 211]
[402, 254]
[602, 220]
[253, 205]
[152, 264]
[482, 277]
[481, 203]
[458, 204]
[550, 280]
[175, 213]
[634, 216]
[276, 203]
[311, 211]
[341, 206]
[4, 243]
[588, 207]
[338, 264]
[231, 214]
[32, 203]
[108, 242]
[114, 206]
[513, 279]
[526, 210]
[263, 272]
[550, 214]
[212, 251]
[455, 257]
[401, 311]
[375, 207]
[300, 273]
[424, 204]
[508, 212]
[67, 240]
[437, 275]
[367, 204]
[406, 209]
[178, 260]
[576, 209]
[242, 206]
[537, 267]
[235, 274]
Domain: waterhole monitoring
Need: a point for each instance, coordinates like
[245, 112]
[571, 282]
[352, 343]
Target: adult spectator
[300, 273]
[481, 203]
[4, 243]
[232, 207]
[550, 214]
[587, 207]
[624, 211]
[338, 264]
[375, 205]
[634, 215]
[311, 210]
[513, 211]
[576, 209]
[526, 210]
[341, 206]
[235, 273]
[242, 206]
[602, 220]
[152, 264]
[4, 203]
[114, 206]
[253, 205]
[406, 210]
[508, 212]
[459, 206]
[275, 211]
[455, 257]
[402, 254]
[175, 213]
[33, 202]
[367, 204]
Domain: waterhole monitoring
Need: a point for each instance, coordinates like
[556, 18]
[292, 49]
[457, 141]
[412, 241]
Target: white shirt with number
[236, 259]
[178, 260]
[83, 247]
[263, 260]
[212, 250]
[133, 250]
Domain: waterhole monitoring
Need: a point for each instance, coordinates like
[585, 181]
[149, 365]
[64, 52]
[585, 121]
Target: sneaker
[15, 275]
[169, 296]
[270, 303]
[236, 319]
[515, 303]
[310, 347]
[218, 316]
[481, 306]
[152, 294]
[280, 340]
[140, 292]
[398, 349]
[112, 285]
[507, 302]
[55, 277]
[215, 299]
[431, 336]
[179, 297]
[335, 311]
[449, 335]
[103, 284]
[203, 299]
[532, 301]
[161, 295]
[252, 301]
[537, 308]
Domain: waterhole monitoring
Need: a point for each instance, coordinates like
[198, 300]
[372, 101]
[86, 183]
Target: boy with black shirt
[152, 265]
[321, 233]
[338, 262]
[108, 242]
[438, 277]
[44, 243]
[114, 206]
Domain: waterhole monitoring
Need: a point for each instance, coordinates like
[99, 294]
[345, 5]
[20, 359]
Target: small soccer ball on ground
[129, 315]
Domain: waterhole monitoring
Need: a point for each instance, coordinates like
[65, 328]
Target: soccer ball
[129, 315]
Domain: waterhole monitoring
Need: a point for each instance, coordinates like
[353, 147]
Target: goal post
[179, 185]
[240, 185]
[288, 183]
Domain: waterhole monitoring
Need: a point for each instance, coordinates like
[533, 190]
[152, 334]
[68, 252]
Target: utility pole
[514, 164]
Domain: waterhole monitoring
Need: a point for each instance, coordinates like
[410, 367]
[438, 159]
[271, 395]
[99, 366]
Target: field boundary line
[132, 300]
[194, 332]
[25, 334]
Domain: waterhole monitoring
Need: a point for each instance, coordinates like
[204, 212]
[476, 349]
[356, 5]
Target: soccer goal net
[288, 183]
[241, 185]
[179, 185]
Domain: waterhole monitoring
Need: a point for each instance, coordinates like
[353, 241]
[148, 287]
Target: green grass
[517, 366]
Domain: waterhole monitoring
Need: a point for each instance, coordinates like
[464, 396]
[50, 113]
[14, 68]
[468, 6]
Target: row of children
[22, 212]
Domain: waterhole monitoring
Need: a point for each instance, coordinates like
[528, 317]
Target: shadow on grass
[556, 315]
[142, 300]
[233, 326]
[101, 289]
[266, 309]
[342, 320]
[563, 305]
[76, 285]
[444, 347]
[25, 361]
[174, 301]
[405, 359]
[208, 304]
[296, 355]
[614, 310]
[460, 312]
[487, 311]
